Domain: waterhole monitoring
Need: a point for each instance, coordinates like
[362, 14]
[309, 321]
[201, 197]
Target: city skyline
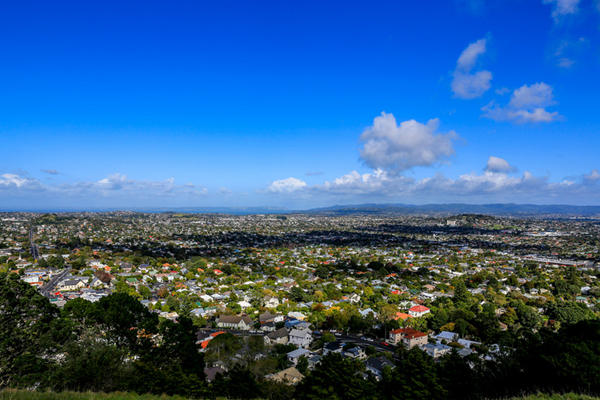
[246, 105]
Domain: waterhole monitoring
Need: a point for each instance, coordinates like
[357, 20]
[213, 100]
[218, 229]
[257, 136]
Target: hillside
[28, 395]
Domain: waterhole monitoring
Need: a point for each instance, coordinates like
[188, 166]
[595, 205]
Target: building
[242, 323]
[294, 356]
[418, 311]
[300, 337]
[280, 336]
[289, 376]
[409, 337]
[376, 365]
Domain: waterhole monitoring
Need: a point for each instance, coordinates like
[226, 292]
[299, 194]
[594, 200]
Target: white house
[300, 337]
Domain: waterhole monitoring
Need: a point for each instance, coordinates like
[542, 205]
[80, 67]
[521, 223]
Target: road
[48, 288]
[377, 344]
[35, 251]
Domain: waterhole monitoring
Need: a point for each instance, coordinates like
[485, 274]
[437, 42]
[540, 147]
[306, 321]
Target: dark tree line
[117, 344]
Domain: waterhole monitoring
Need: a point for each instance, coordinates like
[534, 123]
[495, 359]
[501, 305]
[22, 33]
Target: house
[300, 337]
[408, 336]
[267, 317]
[289, 376]
[296, 323]
[244, 304]
[445, 336]
[436, 350]
[333, 347]
[467, 344]
[297, 315]
[242, 323]
[268, 327]
[280, 336]
[356, 353]
[366, 312]
[212, 372]
[71, 285]
[294, 356]
[204, 339]
[376, 365]
[402, 316]
[418, 311]
[271, 302]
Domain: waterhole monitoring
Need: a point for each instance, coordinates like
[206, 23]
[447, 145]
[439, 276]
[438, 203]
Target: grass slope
[28, 395]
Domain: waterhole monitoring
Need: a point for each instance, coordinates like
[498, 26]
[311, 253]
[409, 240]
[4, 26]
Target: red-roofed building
[213, 335]
[408, 336]
[402, 316]
[418, 311]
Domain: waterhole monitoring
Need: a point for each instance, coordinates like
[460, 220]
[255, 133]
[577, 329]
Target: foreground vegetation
[116, 344]
[30, 395]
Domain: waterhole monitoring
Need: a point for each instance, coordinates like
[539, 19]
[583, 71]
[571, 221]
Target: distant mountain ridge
[442, 209]
[500, 209]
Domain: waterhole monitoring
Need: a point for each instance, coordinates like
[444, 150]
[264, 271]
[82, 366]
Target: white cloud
[489, 186]
[471, 85]
[568, 50]
[114, 182]
[527, 105]
[468, 57]
[565, 62]
[561, 8]
[465, 83]
[401, 147]
[13, 180]
[113, 186]
[536, 95]
[593, 176]
[287, 185]
[497, 164]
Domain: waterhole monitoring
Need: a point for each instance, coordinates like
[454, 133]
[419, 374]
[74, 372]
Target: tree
[26, 319]
[461, 294]
[302, 365]
[569, 312]
[336, 378]
[415, 377]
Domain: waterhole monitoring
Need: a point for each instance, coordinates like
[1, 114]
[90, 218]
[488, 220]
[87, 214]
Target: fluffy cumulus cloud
[466, 83]
[497, 164]
[527, 105]
[488, 186]
[390, 146]
[14, 181]
[116, 186]
[560, 8]
[287, 185]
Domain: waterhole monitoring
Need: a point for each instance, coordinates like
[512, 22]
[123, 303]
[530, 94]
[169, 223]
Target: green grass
[29, 395]
[568, 396]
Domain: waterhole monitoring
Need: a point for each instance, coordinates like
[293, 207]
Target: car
[385, 343]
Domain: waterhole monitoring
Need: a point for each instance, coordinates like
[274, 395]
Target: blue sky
[299, 104]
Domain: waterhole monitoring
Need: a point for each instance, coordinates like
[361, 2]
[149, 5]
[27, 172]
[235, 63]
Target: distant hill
[506, 209]
[500, 209]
